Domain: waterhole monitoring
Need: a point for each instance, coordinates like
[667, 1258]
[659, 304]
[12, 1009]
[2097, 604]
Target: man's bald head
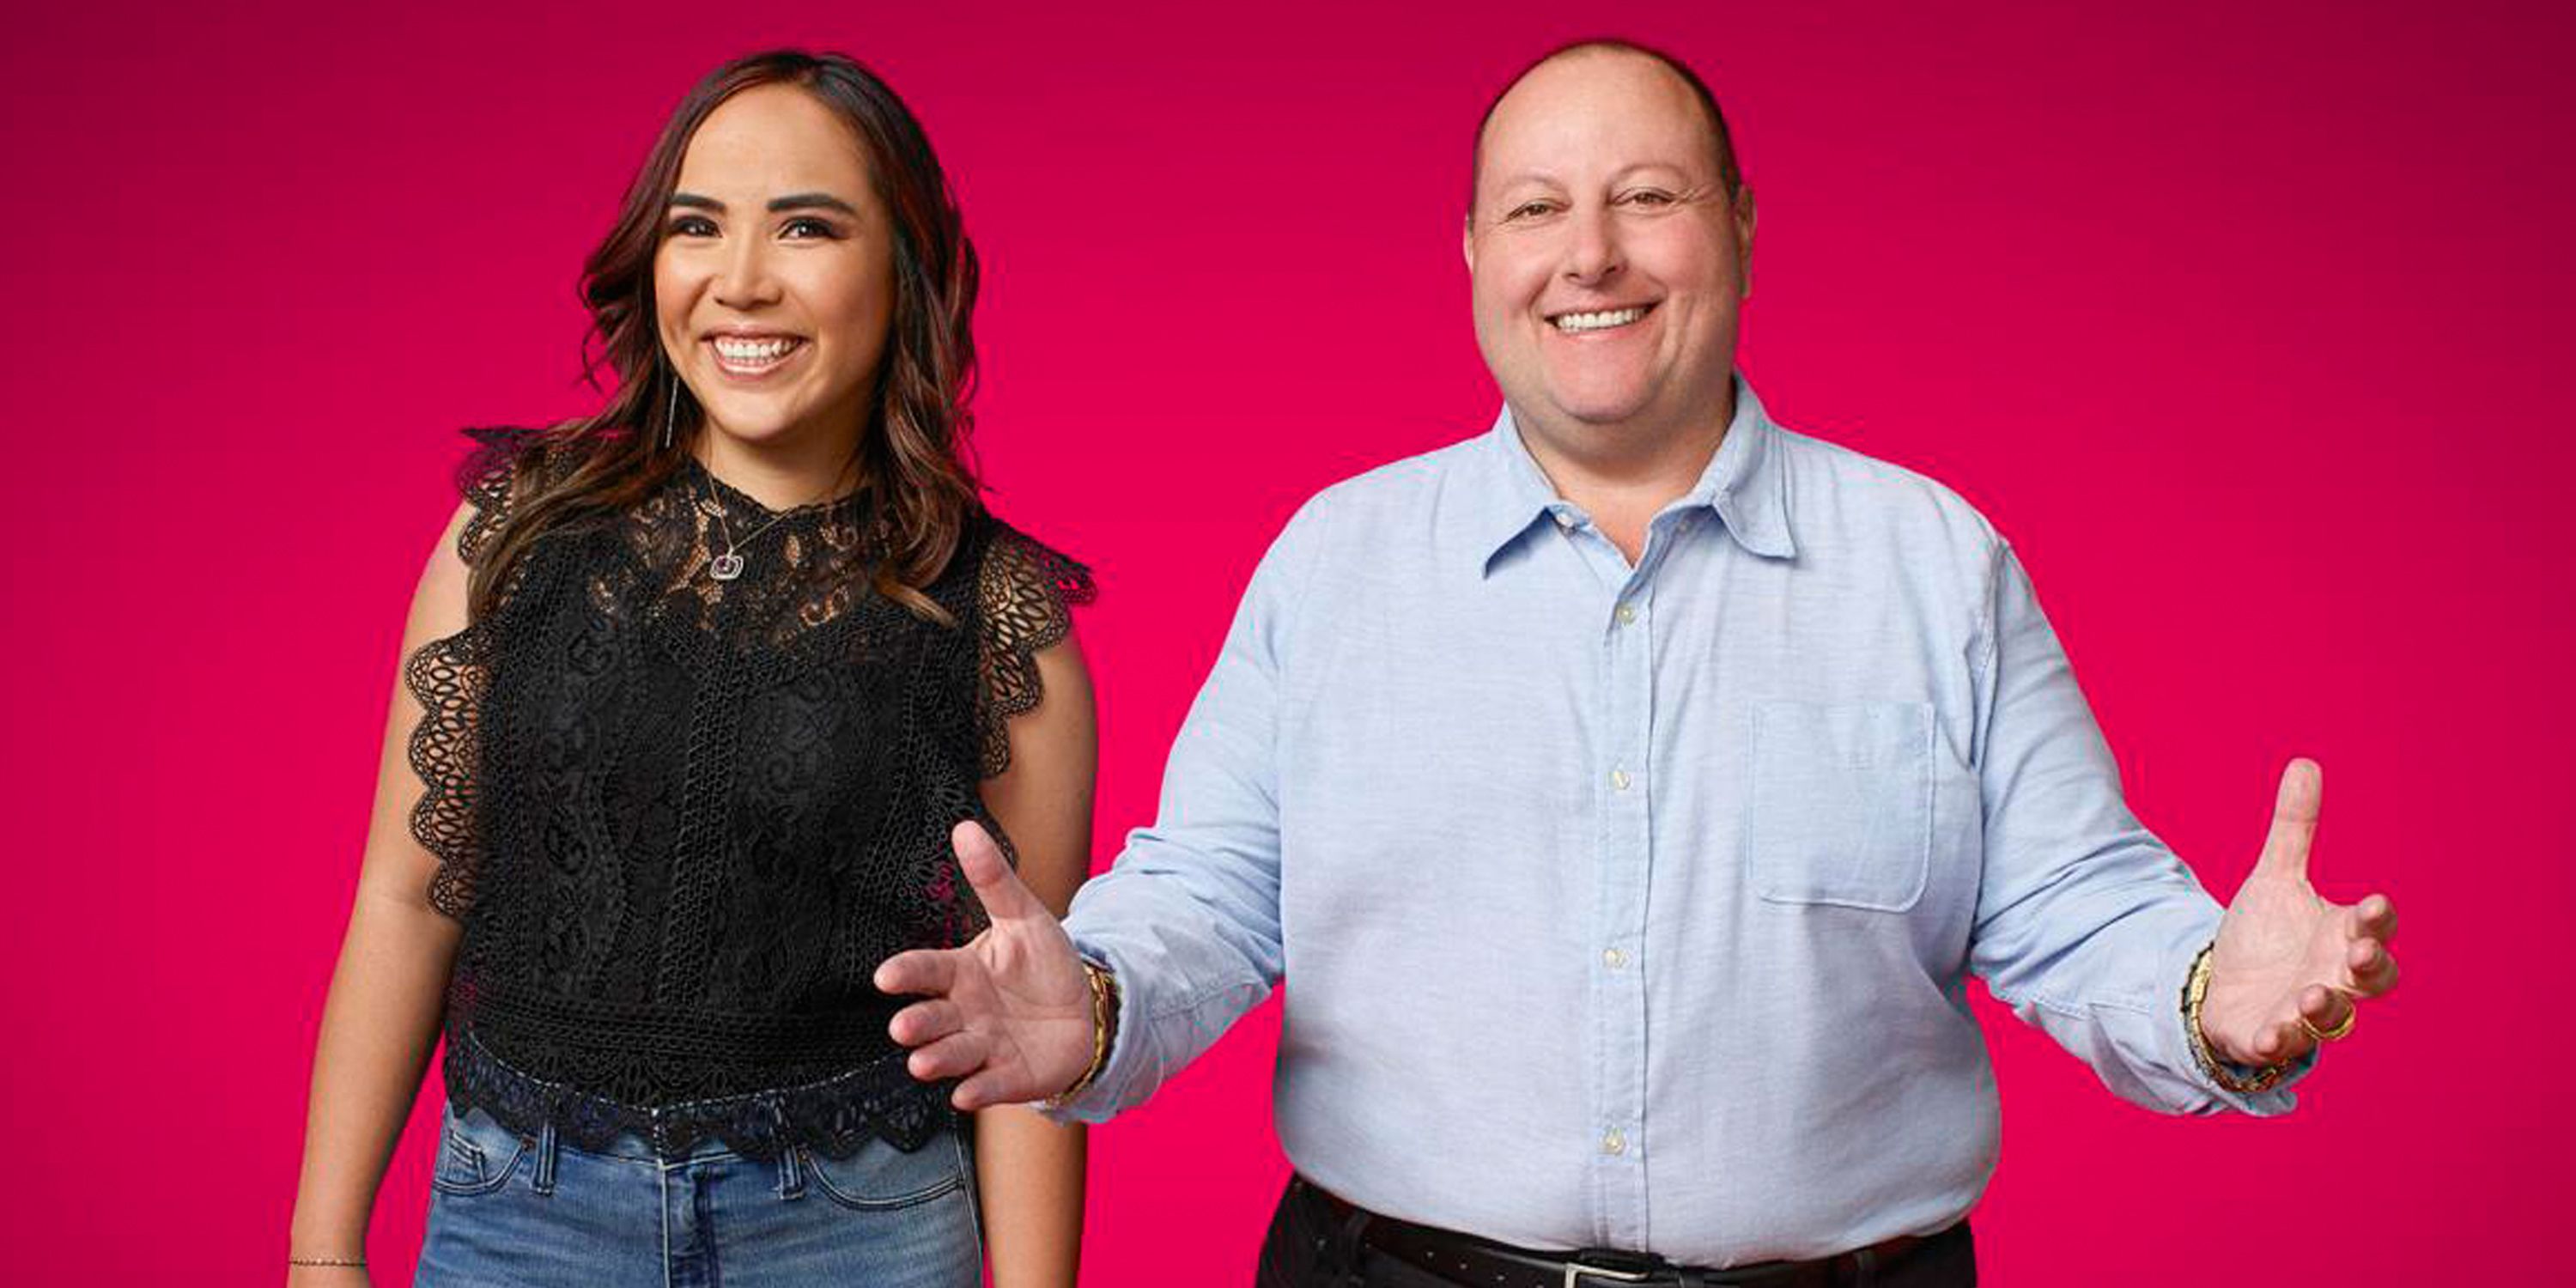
[1720, 139]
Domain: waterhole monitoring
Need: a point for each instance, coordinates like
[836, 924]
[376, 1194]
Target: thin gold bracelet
[358, 1262]
[1104, 1002]
[2194, 991]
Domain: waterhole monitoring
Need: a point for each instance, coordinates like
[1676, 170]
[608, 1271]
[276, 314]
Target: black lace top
[683, 819]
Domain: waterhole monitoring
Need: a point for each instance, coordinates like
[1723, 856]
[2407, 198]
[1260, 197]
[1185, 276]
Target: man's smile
[1582, 321]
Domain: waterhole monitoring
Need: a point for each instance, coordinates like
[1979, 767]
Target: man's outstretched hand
[2286, 955]
[1010, 1012]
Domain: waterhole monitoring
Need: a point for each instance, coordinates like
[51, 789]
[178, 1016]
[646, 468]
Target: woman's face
[774, 280]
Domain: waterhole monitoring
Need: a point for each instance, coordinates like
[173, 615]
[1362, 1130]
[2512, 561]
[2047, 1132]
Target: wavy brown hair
[915, 478]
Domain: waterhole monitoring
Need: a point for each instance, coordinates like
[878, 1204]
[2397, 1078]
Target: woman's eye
[691, 226]
[808, 229]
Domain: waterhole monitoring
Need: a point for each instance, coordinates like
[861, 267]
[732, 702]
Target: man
[1630, 792]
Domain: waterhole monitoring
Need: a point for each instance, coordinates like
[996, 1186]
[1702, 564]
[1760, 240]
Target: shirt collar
[1746, 484]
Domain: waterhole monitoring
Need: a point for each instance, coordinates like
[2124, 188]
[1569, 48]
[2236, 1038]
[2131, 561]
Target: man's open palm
[2285, 954]
[1010, 1012]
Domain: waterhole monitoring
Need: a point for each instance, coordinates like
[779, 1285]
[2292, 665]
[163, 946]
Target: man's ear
[1467, 241]
[1743, 215]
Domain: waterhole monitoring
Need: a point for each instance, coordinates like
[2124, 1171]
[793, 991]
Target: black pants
[1308, 1248]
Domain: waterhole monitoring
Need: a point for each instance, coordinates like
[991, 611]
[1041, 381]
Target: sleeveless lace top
[682, 819]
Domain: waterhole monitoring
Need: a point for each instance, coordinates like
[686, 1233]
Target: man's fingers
[925, 1022]
[953, 1056]
[2323, 1007]
[923, 970]
[2294, 819]
[2327, 1012]
[1005, 899]
[2366, 959]
[2282, 1040]
[987, 1089]
[2372, 967]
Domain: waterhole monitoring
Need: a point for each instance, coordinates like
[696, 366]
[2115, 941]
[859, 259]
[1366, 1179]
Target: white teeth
[1598, 321]
[753, 351]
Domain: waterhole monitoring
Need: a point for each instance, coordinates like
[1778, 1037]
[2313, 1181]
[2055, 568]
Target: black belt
[1467, 1259]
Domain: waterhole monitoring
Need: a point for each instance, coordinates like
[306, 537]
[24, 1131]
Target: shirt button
[1614, 959]
[1627, 613]
[1619, 779]
[1563, 519]
[1615, 1142]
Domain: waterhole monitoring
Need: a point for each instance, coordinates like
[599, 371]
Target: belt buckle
[1582, 1265]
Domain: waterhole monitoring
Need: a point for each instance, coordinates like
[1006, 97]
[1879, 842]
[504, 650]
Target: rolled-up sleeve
[2086, 923]
[1188, 918]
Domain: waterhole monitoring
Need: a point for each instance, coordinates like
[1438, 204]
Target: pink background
[2244, 322]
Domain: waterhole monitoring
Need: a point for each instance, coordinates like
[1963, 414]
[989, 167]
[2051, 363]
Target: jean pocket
[879, 1176]
[1841, 807]
[476, 1154]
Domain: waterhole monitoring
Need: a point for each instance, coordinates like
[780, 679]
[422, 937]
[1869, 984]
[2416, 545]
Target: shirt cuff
[1115, 1088]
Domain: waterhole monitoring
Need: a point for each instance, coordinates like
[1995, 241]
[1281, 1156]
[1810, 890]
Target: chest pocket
[1841, 805]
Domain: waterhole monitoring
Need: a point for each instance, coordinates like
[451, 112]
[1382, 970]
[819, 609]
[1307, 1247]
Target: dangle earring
[670, 412]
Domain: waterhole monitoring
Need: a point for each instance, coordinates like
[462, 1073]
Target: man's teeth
[1598, 321]
[753, 351]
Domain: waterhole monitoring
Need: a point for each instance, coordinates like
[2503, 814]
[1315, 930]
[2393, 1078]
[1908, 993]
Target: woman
[695, 690]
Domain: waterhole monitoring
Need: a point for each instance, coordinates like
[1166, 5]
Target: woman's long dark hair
[914, 475]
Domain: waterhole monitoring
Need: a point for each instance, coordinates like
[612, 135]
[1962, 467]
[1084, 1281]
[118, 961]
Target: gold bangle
[1104, 1013]
[2194, 991]
[358, 1262]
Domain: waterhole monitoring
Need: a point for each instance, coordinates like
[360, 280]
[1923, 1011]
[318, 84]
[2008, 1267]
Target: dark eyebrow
[792, 201]
[810, 201]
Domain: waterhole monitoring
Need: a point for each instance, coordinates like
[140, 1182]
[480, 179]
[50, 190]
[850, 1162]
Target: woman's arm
[1029, 1169]
[382, 1017]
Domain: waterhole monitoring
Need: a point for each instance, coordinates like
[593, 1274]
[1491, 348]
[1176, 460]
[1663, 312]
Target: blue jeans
[507, 1209]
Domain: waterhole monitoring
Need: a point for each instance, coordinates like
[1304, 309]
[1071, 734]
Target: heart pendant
[725, 567]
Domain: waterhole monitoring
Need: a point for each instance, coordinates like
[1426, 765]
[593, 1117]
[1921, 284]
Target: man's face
[1605, 255]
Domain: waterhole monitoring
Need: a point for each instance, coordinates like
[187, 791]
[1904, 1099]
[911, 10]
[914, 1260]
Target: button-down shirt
[1634, 906]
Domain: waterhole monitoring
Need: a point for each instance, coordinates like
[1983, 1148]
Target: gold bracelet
[1104, 1012]
[358, 1262]
[2194, 990]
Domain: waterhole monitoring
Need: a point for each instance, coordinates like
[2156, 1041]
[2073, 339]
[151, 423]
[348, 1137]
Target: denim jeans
[507, 1209]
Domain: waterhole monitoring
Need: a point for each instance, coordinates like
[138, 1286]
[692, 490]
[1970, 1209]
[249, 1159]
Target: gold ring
[2338, 1031]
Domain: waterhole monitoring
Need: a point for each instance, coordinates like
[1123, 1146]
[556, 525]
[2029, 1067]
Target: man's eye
[1529, 210]
[1649, 197]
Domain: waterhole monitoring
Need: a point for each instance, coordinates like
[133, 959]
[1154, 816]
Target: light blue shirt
[1635, 906]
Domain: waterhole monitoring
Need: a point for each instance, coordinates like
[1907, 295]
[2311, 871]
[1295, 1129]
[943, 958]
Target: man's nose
[1592, 250]
[746, 281]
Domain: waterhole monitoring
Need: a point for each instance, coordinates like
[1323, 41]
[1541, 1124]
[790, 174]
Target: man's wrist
[1104, 1030]
[2253, 1079]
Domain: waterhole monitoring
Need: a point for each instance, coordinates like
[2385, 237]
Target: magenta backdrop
[2241, 321]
